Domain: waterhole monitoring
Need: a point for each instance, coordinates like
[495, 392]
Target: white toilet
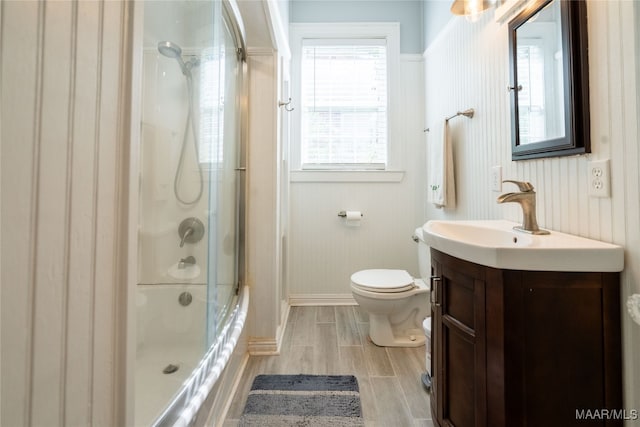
[396, 302]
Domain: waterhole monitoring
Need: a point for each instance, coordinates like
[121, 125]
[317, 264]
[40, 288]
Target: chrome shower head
[172, 50]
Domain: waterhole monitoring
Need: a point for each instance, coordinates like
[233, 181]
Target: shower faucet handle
[190, 230]
[184, 237]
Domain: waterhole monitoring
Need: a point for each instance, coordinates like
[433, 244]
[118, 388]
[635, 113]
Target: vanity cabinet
[523, 348]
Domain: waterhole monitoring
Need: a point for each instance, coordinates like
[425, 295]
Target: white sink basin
[496, 244]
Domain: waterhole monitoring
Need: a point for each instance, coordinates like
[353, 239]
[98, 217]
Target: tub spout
[186, 262]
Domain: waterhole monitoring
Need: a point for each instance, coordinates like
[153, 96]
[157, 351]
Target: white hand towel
[441, 189]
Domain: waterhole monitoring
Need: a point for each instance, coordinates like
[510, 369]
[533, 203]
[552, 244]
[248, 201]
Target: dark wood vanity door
[563, 349]
[459, 343]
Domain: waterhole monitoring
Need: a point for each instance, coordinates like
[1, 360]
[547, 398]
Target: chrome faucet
[527, 199]
[186, 262]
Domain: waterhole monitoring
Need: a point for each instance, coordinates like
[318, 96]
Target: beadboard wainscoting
[467, 66]
[323, 251]
[65, 204]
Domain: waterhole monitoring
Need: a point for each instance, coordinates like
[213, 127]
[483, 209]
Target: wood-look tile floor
[333, 341]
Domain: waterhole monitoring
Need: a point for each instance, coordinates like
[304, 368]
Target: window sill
[346, 176]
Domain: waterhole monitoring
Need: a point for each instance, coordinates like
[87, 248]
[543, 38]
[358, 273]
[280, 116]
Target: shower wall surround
[164, 114]
[467, 65]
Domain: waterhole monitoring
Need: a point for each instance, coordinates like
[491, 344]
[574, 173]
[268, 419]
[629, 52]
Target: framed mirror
[549, 80]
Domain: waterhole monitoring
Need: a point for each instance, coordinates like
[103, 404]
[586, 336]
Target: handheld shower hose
[172, 50]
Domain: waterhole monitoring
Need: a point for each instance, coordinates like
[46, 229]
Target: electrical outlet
[496, 178]
[599, 178]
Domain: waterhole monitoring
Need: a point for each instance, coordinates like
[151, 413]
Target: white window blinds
[344, 104]
[210, 109]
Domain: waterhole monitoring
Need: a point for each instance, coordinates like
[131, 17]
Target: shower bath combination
[172, 50]
[191, 302]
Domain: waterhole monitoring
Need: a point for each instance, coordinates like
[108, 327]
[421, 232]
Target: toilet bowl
[396, 302]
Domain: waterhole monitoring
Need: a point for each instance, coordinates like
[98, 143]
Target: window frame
[390, 31]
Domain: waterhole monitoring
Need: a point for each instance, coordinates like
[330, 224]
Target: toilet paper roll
[353, 218]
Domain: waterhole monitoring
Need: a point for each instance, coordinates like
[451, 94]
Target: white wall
[467, 66]
[64, 209]
[323, 252]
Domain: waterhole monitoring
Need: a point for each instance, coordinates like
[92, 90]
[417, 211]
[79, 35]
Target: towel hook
[285, 105]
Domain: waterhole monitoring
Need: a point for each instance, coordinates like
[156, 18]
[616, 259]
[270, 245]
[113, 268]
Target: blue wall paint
[436, 16]
[409, 13]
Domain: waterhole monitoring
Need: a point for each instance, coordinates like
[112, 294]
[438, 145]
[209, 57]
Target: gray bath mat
[303, 400]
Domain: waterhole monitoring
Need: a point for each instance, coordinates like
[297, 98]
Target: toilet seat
[383, 281]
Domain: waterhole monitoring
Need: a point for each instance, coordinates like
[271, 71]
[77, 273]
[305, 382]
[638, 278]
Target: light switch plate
[496, 179]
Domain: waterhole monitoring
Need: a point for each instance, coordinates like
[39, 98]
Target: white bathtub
[167, 333]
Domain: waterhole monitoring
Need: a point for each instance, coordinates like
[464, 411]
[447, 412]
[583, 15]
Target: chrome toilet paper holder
[343, 214]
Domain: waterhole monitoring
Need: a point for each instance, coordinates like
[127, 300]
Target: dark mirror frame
[576, 84]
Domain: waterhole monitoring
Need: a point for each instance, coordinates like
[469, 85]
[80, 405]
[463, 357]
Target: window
[342, 75]
[344, 104]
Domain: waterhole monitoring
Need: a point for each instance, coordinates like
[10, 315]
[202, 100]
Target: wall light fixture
[471, 9]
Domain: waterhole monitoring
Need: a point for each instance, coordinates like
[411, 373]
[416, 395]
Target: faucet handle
[190, 230]
[523, 186]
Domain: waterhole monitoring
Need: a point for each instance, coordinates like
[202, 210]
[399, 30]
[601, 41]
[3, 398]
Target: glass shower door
[226, 191]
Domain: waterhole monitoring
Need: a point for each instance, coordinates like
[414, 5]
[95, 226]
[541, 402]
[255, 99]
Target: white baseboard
[321, 299]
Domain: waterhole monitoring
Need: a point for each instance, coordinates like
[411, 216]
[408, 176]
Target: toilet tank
[424, 256]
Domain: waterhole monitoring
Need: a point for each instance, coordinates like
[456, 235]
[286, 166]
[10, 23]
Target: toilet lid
[383, 280]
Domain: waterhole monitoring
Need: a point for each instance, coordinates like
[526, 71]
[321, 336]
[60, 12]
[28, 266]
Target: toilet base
[402, 342]
[382, 335]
